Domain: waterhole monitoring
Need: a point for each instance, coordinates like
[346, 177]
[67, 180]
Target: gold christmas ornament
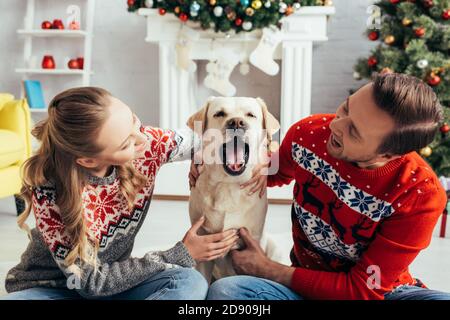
[426, 152]
[231, 15]
[212, 2]
[389, 39]
[249, 11]
[328, 3]
[177, 10]
[386, 70]
[406, 22]
[257, 4]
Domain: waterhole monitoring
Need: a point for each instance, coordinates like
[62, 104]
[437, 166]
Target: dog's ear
[200, 115]
[271, 124]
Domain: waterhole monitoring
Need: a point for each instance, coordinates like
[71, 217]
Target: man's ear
[88, 163]
[271, 124]
[200, 115]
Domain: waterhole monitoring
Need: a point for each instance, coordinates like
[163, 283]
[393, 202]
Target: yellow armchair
[15, 145]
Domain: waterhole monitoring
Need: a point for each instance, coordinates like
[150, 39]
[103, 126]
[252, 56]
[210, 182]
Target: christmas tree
[226, 15]
[415, 39]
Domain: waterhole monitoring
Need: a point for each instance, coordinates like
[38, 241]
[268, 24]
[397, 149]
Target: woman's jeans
[171, 284]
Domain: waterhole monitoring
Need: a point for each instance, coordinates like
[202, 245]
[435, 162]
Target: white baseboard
[172, 179]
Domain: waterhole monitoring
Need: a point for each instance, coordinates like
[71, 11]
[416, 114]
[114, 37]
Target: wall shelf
[53, 33]
[51, 71]
[31, 31]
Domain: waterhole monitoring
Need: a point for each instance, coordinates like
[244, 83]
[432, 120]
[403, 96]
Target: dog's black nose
[236, 123]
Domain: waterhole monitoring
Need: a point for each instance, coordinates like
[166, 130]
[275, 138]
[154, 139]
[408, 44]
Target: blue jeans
[252, 288]
[171, 284]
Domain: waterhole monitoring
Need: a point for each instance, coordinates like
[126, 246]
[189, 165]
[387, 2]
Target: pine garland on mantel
[226, 15]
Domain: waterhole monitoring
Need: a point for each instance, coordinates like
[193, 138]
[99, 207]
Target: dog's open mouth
[235, 155]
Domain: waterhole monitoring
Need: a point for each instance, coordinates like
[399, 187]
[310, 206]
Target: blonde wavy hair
[75, 117]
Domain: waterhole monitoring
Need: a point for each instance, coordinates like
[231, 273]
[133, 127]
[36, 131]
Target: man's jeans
[252, 288]
[171, 284]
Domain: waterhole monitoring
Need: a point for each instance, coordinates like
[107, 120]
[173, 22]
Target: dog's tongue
[235, 156]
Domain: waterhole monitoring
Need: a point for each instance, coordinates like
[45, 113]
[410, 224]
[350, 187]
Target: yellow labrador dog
[236, 132]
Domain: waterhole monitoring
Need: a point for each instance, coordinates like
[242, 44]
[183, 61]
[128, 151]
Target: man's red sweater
[349, 223]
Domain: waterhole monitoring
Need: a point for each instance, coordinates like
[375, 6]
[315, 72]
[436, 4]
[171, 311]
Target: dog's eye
[219, 114]
[251, 115]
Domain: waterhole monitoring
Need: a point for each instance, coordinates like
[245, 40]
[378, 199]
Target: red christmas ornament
[445, 128]
[419, 32]
[374, 35]
[162, 11]
[58, 24]
[46, 25]
[238, 22]
[394, 1]
[73, 64]
[372, 61]
[434, 80]
[80, 61]
[130, 3]
[428, 3]
[289, 11]
[446, 14]
[183, 17]
[48, 62]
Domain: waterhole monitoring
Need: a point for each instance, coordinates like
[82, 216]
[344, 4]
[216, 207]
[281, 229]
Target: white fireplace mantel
[177, 88]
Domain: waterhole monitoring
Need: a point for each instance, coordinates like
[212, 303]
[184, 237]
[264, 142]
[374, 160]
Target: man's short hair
[415, 109]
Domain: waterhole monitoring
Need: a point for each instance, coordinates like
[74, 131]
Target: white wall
[128, 66]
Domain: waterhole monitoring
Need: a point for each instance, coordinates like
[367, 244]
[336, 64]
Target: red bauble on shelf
[130, 3]
[48, 62]
[162, 11]
[238, 22]
[374, 35]
[73, 64]
[46, 25]
[58, 24]
[372, 62]
[80, 62]
[394, 1]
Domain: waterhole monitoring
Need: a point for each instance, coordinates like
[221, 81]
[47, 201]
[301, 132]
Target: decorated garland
[226, 15]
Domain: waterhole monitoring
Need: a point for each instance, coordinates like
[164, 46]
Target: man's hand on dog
[253, 261]
[208, 247]
[258, 180]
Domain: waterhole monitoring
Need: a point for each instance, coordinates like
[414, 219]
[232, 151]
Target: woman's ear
[271, 124]
[88, 163]
[200, 116]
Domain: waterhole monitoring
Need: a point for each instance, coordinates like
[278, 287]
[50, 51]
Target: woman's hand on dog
[258, 180]
[209, 247]
[193, 174]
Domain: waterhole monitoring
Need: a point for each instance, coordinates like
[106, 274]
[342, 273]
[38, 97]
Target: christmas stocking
[183, 49]
[219, 71]
[262, 56]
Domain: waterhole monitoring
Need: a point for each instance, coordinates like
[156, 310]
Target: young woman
[89, 186]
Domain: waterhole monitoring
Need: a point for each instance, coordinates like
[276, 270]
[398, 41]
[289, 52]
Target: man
[365, 204]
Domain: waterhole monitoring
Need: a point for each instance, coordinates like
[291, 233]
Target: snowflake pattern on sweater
[109, 220]
[105, 209]
[346, 219]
